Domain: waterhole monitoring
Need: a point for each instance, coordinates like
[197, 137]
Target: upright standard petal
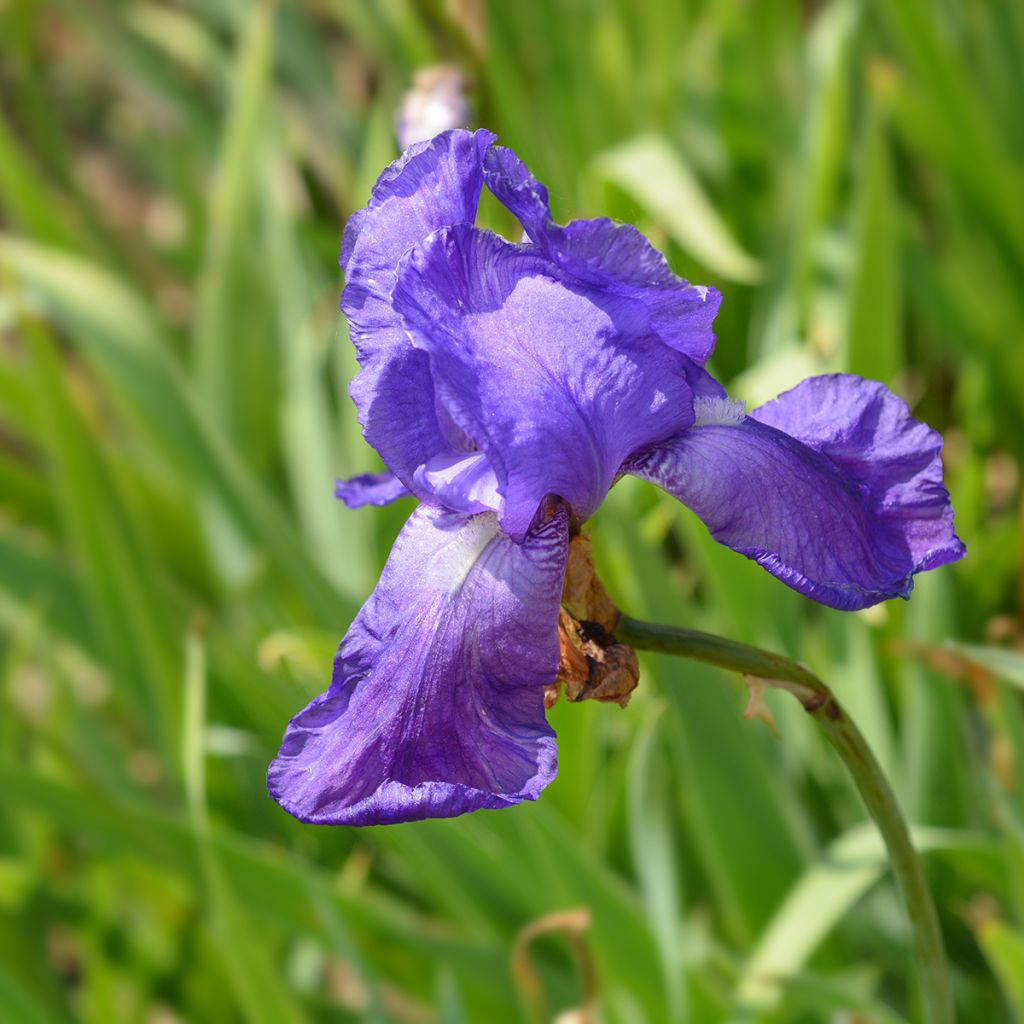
[833, 487]
[436, 707]
[611, 268]
[432, 185]
[553, 387]
[609, 257]
[618, 259]
[509, 180]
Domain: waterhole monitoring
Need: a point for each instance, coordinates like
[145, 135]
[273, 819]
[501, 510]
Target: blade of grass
[34, 577]
[259, 990]
[1003, 948]
[275, 884]
[111, 325]
[125, 605]
[24, 196]
[827, 891]
[810, 199]
[341, 541]
[217, 349]
[873, 341]
[1007, 664]
[655, 858]
[20, 1003]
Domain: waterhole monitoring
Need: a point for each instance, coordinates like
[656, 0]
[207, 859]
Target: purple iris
[507, 386]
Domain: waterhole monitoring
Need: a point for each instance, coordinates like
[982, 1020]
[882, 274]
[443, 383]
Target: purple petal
[618, 259]
[407, 414]
[613, 258]
[400, 415]
[703, 384]
[436, 707]
[833, 487]
[463, 482]
[555, 389]
[353, 229]
[512, 184]
[432, 185]
[370, 489]
[868, 432]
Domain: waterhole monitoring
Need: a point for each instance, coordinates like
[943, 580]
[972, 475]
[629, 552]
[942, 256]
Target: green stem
[820, 703]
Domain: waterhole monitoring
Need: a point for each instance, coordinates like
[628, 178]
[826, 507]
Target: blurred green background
[175, 575]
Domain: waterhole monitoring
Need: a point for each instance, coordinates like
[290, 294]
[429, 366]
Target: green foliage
[174, 573]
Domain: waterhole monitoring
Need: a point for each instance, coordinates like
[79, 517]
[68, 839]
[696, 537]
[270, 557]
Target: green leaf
[811, 198]
[937, 784]
[24, 196]
[1003, 947]
[658, 178]
[112, 326]
[125, 607]
[30, 574]
[826, 892]
[20, 1004]
[343, 542]
[275, 884]
[218, 347]
[728, 773]
[260, 992]
[654, 854]
[873, 342]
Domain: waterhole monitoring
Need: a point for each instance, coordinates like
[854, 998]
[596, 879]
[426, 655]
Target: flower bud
[436, 102]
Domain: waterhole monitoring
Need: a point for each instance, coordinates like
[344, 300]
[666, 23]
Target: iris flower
[507, 386]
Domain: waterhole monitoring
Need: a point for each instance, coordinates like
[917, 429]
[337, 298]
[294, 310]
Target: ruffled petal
[554, 388]
[433, 184]
[610, 257]
[436, 706]
[619, 259]
[509, 180]
[370, 489]
[868, 432]
[833, 487]
[400, 415]
[611, 269]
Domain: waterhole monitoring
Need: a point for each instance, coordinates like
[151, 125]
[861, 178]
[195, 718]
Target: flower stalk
[841, 731]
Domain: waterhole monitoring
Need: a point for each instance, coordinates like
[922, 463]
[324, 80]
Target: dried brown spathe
[593, 665]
